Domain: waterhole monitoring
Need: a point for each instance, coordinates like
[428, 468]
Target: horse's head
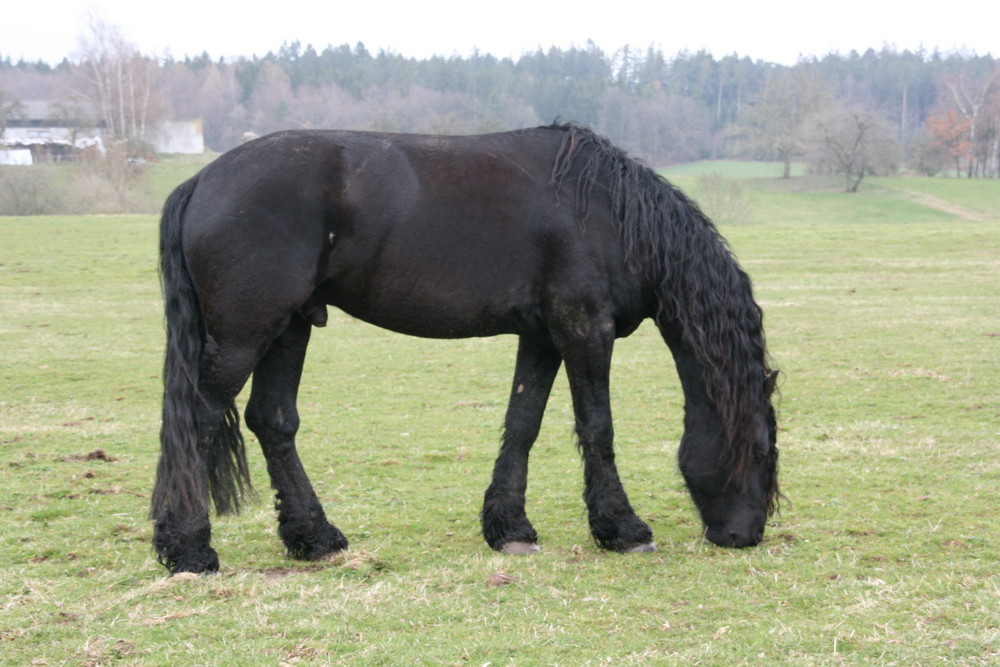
[735, 493]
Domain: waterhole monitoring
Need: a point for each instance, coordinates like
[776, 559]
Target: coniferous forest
[925, 112]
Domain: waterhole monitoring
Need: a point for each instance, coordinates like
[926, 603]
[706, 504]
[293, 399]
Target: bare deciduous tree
[120, 80]
[74, 115]
[853, 142]
[9, 108]
[775, 126]
[978, 100]
[722, 198]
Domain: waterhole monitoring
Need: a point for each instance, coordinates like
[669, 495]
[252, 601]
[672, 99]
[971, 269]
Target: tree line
[849, 114]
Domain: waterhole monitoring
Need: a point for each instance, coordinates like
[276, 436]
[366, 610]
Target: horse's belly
[419, 308]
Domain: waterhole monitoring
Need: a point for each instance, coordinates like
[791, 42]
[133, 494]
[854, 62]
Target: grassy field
[732, 168]
[881, 310]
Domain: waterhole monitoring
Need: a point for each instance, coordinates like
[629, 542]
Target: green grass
[817, 200]
[168, 172]
[732, 169]
[880, 311]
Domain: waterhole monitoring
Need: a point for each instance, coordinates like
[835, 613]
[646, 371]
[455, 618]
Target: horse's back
[428, 235]
[448, 236]
[353, 183]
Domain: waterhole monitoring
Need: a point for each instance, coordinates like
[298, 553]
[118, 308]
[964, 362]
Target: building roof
[39, 113]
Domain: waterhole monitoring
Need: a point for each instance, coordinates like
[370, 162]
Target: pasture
[881, 311]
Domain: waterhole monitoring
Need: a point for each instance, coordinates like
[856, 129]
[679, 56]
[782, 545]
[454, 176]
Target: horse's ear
[770, 382]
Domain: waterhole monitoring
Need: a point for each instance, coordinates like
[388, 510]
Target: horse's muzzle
[728, 537]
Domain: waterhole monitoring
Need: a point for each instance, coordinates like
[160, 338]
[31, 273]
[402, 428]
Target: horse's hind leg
[213, 462]
[272, 415]
[505, 524]
[613, 522]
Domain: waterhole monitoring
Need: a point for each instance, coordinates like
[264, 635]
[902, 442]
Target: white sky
[772, 30]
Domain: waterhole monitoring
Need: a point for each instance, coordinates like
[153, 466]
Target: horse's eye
[760, 453]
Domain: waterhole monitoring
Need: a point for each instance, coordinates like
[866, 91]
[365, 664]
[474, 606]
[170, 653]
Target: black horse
[552, 234]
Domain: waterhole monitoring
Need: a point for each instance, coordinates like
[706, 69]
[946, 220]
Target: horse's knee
[598, 431]
[272, 425]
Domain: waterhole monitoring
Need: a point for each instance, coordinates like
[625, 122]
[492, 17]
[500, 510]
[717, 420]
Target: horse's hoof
[647, 548]
[520, 548]
[308, 545]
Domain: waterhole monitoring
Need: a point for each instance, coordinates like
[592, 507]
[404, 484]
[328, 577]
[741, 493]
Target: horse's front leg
[504, 521]
[613, 522]
[272, 415]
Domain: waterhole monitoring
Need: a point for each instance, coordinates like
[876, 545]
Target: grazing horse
[552, 234]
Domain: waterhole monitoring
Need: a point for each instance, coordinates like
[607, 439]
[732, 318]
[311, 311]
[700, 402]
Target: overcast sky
[772, 30]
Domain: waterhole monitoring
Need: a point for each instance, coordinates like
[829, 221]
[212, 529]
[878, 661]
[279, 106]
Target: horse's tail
[186, 474]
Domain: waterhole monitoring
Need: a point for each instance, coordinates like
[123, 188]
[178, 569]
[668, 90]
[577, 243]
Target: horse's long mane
[670, 242]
